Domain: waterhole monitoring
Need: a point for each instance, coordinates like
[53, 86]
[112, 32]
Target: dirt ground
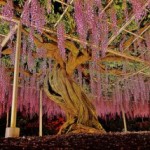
[109, 141]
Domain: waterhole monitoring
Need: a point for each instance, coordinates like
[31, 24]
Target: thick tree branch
[52, 49]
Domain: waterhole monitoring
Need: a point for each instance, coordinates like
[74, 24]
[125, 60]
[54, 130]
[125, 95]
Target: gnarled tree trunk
[80, 112]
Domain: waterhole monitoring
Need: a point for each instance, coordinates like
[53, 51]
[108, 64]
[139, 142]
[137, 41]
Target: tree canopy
[104, 45]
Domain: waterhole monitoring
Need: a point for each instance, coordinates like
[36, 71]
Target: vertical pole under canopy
[15, 82]
[13, 131]
[40, 114]
[124, 120]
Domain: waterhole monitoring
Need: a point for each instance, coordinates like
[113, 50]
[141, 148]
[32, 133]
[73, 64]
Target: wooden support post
[13, 131]
[124, 120]
[40, 114]
[16, 75]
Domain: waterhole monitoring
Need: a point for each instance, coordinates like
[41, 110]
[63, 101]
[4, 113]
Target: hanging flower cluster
[4, 92]
[132, 110]
[51, 108]
[30, 61]
[131, 97]
[26, 14]
[93, 85]
[98, 3]
[24, 47]
[104, 34]
[89, 13]
[147, 37]
[31, 37]
[4, 79]
[34, 15]
[96, 20]
[99, 87]
[41, 52]
[44, 66]
[37, 15]
[28, 100]
[137, 9]
[92, 25]
[61, 39]
[12, 55]
[79, 18]
[24, 50]
[114, 21]
[134, 101]
[95, 39]
[126, 14]
[7, 10]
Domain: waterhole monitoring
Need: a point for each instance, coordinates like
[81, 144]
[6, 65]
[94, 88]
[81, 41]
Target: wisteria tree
[91, 57]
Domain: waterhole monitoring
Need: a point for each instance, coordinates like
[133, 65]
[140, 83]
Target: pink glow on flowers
[114, 21]
[26, 14]
[147, 37]
[7, 10]
[80, 19]
[37, 15]
[61, 39]
[104, 33]
[44, 66]
[41, 52]
[137, 9]
[12, 55]
[95, 40]
[34, 15]
[89, 13]
[30, 61]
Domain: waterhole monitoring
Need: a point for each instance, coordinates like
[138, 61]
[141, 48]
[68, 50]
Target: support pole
[13, 131]
[124, 120]
[40, 114]
[16, 75]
